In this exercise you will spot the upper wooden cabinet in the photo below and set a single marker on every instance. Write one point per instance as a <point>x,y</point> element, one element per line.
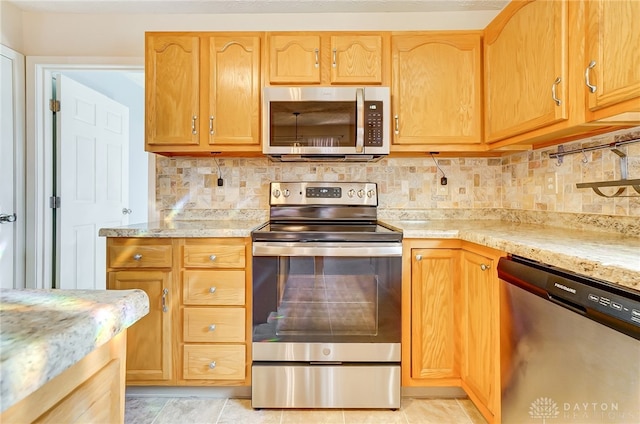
<point>202,92</point>
<point>525,68</point>
<point>172,90</point>
<point>324,59</point>
<point>436,91</point>
<point>613,58</point>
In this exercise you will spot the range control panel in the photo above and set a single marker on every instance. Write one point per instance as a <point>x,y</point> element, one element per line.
<point>324,193</point>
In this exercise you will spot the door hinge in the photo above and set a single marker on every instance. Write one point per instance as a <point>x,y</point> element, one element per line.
<point>54,105</point>
<point>54,202</point>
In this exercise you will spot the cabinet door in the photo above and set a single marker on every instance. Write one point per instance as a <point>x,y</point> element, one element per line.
<point>436,83</point>
<point>434,316</point>
<point>613,43</point>
<point>172,78</point>
<point>356,59</point>
<point>294,59</point>
<point>148,340</point>
<point>525,63</point>
<point>233,90</point>
<point>479,335</point>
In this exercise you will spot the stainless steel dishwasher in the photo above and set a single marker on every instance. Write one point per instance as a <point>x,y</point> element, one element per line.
<point>570,347</point>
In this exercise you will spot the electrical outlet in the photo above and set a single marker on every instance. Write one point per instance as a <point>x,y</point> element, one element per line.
<point>550,185</point>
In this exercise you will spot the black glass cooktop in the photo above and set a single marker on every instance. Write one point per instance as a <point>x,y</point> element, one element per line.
<point>336,232</point>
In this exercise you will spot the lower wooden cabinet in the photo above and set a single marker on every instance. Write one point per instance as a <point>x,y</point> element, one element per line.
<point>90,391</point>
<point>480,303</point>
<point>214,362</point>
<point>451,319</point>
<point>196,332</point>
<point>434,348</point>
<point>149,340</point>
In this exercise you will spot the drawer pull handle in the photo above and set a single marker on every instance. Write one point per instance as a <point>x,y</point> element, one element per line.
<point>553,91</point>
<point>212,364</point>
<point>212,290</point>
<point>137,257</point>
<point>212,257</point>
<point>212,327</point>
<point>165,292</point>
<point>592,88</point>
<point>484,267</point>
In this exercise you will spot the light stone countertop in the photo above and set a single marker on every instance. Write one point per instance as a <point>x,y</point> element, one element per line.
<point>612,257</point>
<point>44,332</point>
<point>608,256</point>
<point>195,228</point>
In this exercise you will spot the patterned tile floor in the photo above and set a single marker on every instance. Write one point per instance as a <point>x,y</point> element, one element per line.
<point>196,410</point>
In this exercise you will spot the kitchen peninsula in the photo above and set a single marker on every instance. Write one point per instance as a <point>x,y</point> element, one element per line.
<point>62,353</point>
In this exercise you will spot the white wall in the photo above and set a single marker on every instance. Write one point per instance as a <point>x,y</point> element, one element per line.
<point>11,26</point>
<point>49,34</point>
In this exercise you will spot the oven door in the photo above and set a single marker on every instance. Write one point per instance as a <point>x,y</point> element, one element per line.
<point>326,302</point>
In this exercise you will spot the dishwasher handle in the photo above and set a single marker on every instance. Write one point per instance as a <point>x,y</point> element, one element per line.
<point>579,309</point>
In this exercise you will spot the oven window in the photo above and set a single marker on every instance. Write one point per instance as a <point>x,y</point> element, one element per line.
<point>326,299</point>
<point>316,124</point>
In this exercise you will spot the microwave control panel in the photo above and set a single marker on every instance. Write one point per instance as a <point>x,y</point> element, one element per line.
<point>373,123</point>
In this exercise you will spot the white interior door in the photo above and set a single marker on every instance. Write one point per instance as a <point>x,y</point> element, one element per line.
<point>12,218</point>
<point>92,179</point>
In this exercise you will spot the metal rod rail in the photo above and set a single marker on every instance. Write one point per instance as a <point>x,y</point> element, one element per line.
<point>560,153</point>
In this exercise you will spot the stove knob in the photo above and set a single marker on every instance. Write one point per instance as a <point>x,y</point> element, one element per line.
<point>351,193</point>
<point>361,193</point>
<point>371,193</point>
<point>286,192</point>
<point>276,193</point>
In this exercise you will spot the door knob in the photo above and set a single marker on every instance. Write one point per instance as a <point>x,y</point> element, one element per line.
<point>5,218</point>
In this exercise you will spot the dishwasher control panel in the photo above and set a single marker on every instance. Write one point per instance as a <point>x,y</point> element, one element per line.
<point>622,308</point>
<point>613,305</point>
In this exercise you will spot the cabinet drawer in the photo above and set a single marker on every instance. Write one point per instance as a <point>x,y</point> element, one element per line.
<point>139,255</point>
<point>215,287</point>
<point>228,254</point>
<point>217,362</point>
<point>214,325</point>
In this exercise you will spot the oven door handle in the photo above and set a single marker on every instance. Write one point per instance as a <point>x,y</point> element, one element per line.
<point>327,249</point>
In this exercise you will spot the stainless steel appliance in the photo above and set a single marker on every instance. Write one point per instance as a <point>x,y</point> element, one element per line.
<point>326,123</point>
<point>570,347</point>
<point>326,300</point>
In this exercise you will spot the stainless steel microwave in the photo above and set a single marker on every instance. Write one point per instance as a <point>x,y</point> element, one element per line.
<point>326,123</point>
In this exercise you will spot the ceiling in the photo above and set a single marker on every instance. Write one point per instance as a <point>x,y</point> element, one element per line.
<point>254,6</point>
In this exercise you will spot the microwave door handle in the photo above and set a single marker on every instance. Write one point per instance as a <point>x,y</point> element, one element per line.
<point>360,120</point>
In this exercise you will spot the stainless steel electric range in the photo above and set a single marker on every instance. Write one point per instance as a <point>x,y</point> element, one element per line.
<point>326,300</point>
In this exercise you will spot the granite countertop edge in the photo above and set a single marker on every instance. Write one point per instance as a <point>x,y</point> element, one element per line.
<point>581,251</point>
<point>45,332</point>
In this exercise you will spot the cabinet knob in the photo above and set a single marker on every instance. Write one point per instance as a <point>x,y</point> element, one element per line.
<point>212,290</point>
<point>418,257</point>
<point>396,119</point>
<point>212,327</point>
<point>335,54</point>
<point>137,257</point>
<point>484,267</point>
<point>212,364</point>
<point>317,52</point>
<point>211,131</point>
<point>212,257</point>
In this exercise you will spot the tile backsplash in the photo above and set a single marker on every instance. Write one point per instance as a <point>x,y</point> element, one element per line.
<point>528,181</point>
